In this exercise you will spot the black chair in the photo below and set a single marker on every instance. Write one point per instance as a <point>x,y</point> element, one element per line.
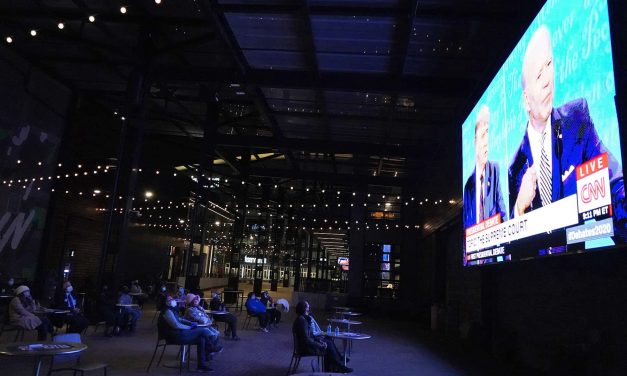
<point>162,342</point>
<point>248,319</point>
<point>73,360</point>
<point>297,355</point>
<point>6,326</point>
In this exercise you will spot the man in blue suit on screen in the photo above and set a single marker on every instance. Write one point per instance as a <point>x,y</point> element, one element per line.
<point>556,140</point>
<point>482,191</point>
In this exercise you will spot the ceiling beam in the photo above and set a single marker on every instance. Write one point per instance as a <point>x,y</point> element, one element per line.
<point>344,179</point>
<point>497,12</point>
<point>427,148</point>
<point>451,87</point>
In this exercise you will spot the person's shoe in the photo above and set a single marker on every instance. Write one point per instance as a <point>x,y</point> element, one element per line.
<point>344,369</point>
<point>235,338</point>
<point>263,330</point>
<point>216,350</point>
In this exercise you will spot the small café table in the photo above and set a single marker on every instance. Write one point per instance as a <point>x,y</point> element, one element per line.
<point>320,374</point>
<point>40,350</point>
<point>343,308</point>
<point>345,321</point>
<point>346,314</point>
<point>347,339</point>
<point>215,312</point>
<point>121,306</point>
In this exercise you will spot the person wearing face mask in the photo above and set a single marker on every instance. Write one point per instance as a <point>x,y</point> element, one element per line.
<point>231,321</point>
<point>257,309</point>
<point>274,315</point>
<point>179,330</point>
<point>66,300</point>
<point>22,313</point>
<point>195,313</point>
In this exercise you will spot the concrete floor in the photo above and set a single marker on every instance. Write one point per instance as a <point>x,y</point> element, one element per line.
<point>396,348</point>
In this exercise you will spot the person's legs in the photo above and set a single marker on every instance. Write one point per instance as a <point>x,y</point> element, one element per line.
<point>231,320</point>
<point>211,339</point>
<point>80,323</point>
<point>42,332</point>
<point>195,337</point>
<point>46,325</point>
<point>134,316</point>
<point>333,359</point>
<point>263,319</point>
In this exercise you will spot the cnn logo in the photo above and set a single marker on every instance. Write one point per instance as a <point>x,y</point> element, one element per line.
<point>592,191</point>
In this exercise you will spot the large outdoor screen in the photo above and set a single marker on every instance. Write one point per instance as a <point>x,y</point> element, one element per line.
<point>542,169</point>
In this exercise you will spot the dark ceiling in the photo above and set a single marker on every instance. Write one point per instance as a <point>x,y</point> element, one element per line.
<point>321,93</point>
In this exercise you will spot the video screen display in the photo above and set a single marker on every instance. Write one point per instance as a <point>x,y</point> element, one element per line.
<point>343,262</point>
<point>542,168</point>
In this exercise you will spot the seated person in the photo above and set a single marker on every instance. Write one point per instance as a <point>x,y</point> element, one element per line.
<point>231,321</point>
<point>274,315</point>
<point>195,313</point>
<point>180,294</point>
<point>180,297</point>
<point>7,287</point>
<point>257,309</point>
<point>64,299</point>
<point>160,298</point>
<point>22,313</point>
<point>129,314</point>
<point>178,330</point>
<point>136,289</point>
<point>313,342</point>
<point>105,306</point>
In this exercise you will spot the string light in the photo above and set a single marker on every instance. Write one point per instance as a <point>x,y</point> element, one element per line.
<point>9,39</point>
<point>60,25</point>
<point>123,11</point>
<point>33,33</point>
<point>92,18</point>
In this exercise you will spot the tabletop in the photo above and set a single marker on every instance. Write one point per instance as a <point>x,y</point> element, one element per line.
<point>127,305</point>
<point>345,321</point>
<point>41,348</point>
<point>343,308</point>
<point>348,335</point>
<point>349,313</point>
<point>208,311</point>
<point>320,374</point>
<point>51,310</point>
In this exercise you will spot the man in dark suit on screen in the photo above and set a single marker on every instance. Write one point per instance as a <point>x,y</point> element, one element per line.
<point>556,141</point>
<point>482,191</point>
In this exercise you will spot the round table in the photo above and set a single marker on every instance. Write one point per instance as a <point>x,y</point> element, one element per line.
<point>348,313</point>
<point>347,337</point>
<point>210,312</point>
<point>343,308</point>
<point>44,349</point>
<point>346,321</point>
<point>320,374</point>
